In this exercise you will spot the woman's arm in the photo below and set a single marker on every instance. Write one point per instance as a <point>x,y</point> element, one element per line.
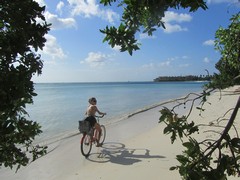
<point>99,112</point>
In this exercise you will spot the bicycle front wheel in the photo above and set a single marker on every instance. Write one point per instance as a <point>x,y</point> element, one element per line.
<point>86,145</point>
<point>103,134</point>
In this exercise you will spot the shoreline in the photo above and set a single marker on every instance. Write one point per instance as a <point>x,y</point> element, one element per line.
<point>135,148</point>
<point>114,120</point>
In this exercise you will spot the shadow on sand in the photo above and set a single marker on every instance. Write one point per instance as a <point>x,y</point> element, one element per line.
<point>117,153</point>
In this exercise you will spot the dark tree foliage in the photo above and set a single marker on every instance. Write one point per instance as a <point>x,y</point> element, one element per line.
<point>183,78</point>
<point>228,44</point>
<point>142,16</point>
<point>22,30</point>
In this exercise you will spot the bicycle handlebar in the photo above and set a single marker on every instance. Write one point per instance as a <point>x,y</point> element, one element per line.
<point>100,116</point>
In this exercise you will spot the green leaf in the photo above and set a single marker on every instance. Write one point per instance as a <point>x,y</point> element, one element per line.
<point>162,118</point>
<point>188,145</point>
<point>172,168</point>
<point>235,142</point>
<point>167,130</point>
<point>182,159</point>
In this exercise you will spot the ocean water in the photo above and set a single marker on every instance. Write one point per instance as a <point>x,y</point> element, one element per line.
<point>59,106</point>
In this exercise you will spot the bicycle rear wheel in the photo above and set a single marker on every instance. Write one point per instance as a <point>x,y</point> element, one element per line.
<point>102,135</point>
<point>86,145</point>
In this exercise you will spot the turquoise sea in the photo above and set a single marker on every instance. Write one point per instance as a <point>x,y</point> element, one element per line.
<point>59,106</point>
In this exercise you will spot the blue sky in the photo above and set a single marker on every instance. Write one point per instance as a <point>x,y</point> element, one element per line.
<point>74,51</point>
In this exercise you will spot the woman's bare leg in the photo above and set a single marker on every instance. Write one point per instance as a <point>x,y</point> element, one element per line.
<point>99,130</point>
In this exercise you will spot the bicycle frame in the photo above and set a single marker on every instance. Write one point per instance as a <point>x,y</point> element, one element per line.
<point>89,138</point>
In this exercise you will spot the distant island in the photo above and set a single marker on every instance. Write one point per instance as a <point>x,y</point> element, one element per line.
<point>183,78</point>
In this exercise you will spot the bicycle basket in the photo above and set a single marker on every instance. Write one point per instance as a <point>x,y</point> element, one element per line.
<point>84,126</point>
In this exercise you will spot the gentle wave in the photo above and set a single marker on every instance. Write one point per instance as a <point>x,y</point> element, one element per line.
<point>54,141</point>
<point>59,106</point>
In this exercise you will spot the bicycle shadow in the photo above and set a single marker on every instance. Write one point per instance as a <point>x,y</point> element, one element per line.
<point>117,153</point>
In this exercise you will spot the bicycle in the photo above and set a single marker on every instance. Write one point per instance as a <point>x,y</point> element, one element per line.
<point>89,136</point>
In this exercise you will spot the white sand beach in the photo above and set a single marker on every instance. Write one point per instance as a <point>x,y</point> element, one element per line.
<point>135,148</point>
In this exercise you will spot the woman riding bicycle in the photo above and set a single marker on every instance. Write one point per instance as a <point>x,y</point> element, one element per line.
<point>91,111</point>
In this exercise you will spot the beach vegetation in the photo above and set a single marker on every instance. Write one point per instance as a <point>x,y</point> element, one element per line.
<point>227,42</point>
<point>219,156</point>
<point>22,30</point>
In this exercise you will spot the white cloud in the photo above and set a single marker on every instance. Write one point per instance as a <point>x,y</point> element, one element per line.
<point>171,16</point>
<point>52,48</point>
<point>206,60</point>
<point>89,8</point>
<point>41,2</point>
<point>95,59</point>
<point>148,66</point>
<point>116,48</point>
<point>174,61</point>
<point>109,16</point>
<point>154,66</point>
<point>145,36</point>
<point>170,28</point>
<point>209,42</point>
<point>86,8</point>
<point>166,63</point>
<point>59,23</point>
<point>60,5</point>
<point>172,21</point>
<point>162,64</point>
